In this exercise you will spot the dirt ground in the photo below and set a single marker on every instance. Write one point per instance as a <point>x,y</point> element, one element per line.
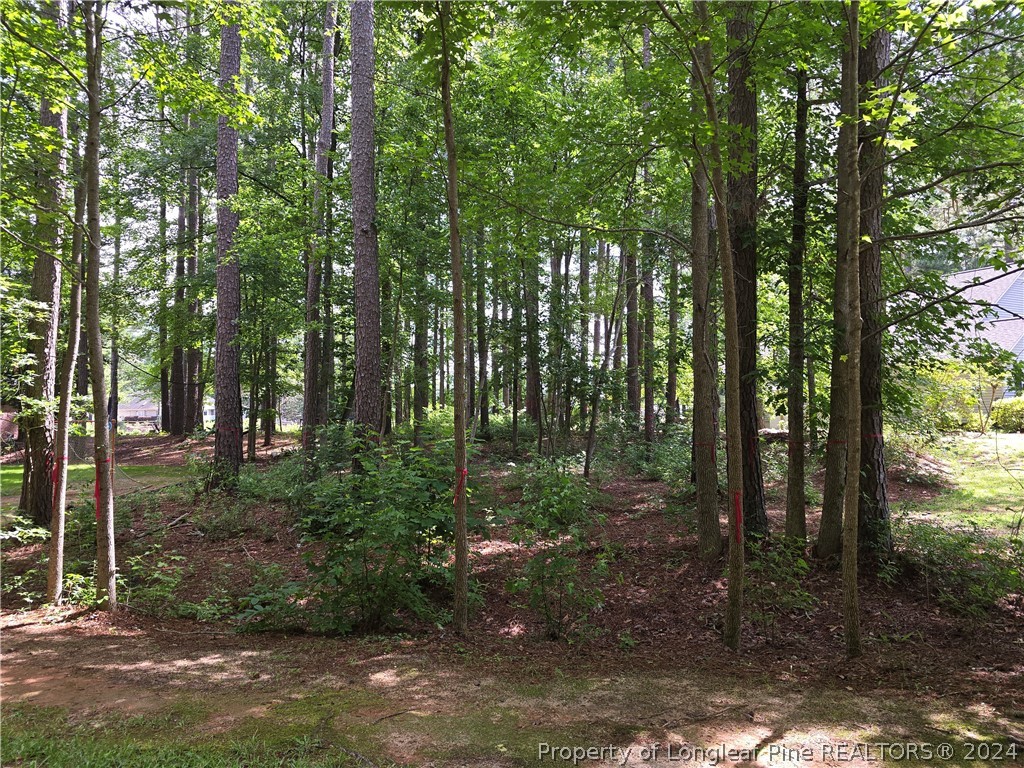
<point>654,673</point>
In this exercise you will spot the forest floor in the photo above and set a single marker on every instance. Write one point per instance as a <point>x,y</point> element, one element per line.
<point>85,688</point>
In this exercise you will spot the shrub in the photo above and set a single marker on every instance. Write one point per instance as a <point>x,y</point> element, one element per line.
<point>1008,414</point>
<point>554,516</point>
<point>555,496</point>
<point>387,530</point>
<point>967,571</point>
<point>774,582</point>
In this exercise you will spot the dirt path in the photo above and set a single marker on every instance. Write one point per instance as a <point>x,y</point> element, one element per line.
<point>408,702</point>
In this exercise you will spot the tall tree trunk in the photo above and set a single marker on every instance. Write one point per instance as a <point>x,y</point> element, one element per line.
<point>227,458</point>
<point>115,310</point>
<point>269,392</point>
<point>830,529</point>
<point>585,382</point>
<point>106,569</point>
<point>55,561</point>
<point>422,388</point>
<point>648,280</point>
<point>481,339</point>
<point>435,377</point>
<point>461,612</point>
<point>632,334</point>
<point>369,408</point>
<point>705,385</point>
<point>875,533</point>
<point>796,500</point>
<point>312,409</point>
<point>194,353</point>
<point>672,377</point>
<point>165,369</point>
<point>470,354</point>
<point>531,290</point>
<point>743,231</point>
<point>178,325</point>
<point>734,600</point>
<point>849,229</point>
<point>600,379</point>
<point>39,425</point>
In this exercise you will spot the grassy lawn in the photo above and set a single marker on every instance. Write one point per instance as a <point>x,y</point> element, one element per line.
<point>127,479</point>
<point>988,484</point>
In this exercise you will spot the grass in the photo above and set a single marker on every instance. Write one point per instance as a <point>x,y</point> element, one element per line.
<point>47,736</point>
<point>988,484</point>
<point>127,478</point>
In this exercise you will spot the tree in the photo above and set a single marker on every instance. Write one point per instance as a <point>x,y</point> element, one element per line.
<point>705,383</point>
<point>796,500</point>
<point>38,423</point>
<point>848,228</point>
<point>368,399</point>
<point>874,534</point>
<point>713,162</point>
<point>55,562</point>
<point>461,613</point>
<point>228,447</point>
<point>106,569</point>
<point>313,412</point>
<point>743,231</point>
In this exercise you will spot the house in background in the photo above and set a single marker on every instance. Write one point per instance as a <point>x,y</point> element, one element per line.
<point>998,301</point>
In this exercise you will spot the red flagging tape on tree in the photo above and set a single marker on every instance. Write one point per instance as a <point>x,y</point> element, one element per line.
<point>460,486</point>
<point>738,506</point>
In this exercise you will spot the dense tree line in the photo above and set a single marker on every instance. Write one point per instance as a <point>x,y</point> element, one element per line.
<point>568,214</point>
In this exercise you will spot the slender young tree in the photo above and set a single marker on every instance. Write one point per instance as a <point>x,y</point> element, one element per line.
<point>704,73</point>
<point>106,569</point>
<point>227,458</point>
<point>796,500</point>
<point>461,613</point>
<point>55,563</point>
<point>369,405</point>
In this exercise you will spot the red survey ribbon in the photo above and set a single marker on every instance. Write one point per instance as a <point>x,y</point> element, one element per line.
<point>460,486</point>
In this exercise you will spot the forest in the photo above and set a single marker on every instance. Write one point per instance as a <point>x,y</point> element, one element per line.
<point>402,383</point>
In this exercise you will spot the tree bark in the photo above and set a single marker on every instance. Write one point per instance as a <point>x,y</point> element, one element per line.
<point>461,611</point>
<point>227,458</point>
<point>849,199</point>
<point>743,231</point>
<point>312,408</point>
<point>55,563</point>
<point>796,499</point>
<point>632,335</point>
<point>106,569</point>
<point>481,340</point>
<point>875,534</point>
<point>177,377</point>
<point>734,599</point>
<point>38,425</point>
<point>705,385</point>
<point>369,408</point>
<point>585,383</point>
<point>194,353</point>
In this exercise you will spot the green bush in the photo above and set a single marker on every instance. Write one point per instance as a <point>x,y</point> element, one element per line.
<point>1008,414</point>
<point>967,571</point>
<point>554,517</point>
<point>774,582</point>
<point>555,495</point>
<point>387,529</point>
